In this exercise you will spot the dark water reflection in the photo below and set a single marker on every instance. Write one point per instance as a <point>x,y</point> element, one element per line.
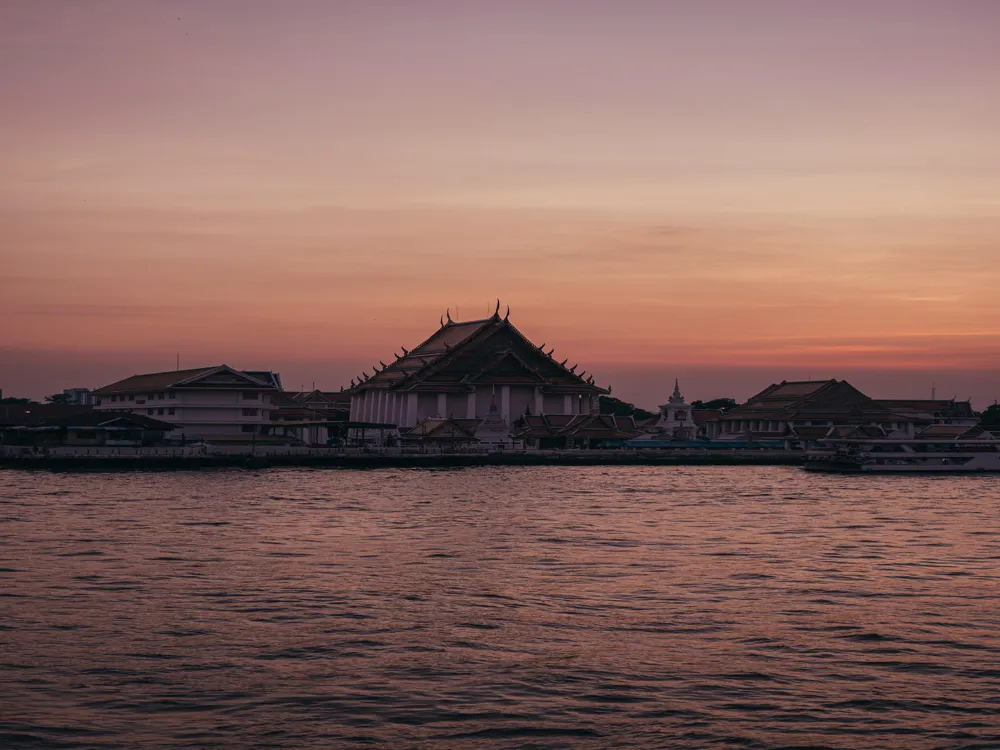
<point>701,607</point>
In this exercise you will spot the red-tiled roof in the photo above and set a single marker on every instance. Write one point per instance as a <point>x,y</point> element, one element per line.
<point>459,354</point>
<point>321,399</point>
<point>705,415</point>
<point>947,408</point>
<point>594,426</point>
<point>827,399</point>
<point>153,380</point>
<point>444,429</point>
<point>950,431</point>
<point>852,431</point>
<point>174,378</point>
<point>99,419</point>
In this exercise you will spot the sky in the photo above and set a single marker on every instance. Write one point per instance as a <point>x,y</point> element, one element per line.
<point>728,192</point>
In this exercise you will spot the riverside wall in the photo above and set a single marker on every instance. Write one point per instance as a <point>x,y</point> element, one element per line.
<point>150,460</point>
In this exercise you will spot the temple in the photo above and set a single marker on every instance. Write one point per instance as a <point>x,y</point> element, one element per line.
<point>678,422</point>
<point>463,369</point>
<point>798,413</point>
<point>676,418</point>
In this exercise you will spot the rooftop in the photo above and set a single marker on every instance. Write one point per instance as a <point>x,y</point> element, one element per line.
<point>459,354</point>
<point>217,376</point>
<point>95,420</point>
<point>826,399</point>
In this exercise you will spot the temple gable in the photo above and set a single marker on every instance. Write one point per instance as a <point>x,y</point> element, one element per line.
<point>453,373</point>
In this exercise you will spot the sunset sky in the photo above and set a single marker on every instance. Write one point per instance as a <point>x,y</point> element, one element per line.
<point>728,192</point>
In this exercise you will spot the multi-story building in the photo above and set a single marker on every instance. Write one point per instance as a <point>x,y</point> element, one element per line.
<point>79,396</point>
<point>212,403</point>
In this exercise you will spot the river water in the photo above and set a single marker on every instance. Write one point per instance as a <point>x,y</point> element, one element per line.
<point>536,607</point>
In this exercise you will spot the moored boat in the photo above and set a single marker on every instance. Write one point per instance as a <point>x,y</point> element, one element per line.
<point>894,455</point>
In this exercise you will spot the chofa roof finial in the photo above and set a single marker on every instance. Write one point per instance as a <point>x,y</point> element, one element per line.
<point>448,314</point>
<point>496,313</point>
<point>505,317</point>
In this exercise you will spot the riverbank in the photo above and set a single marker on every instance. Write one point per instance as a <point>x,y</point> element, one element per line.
<point>401,461</point>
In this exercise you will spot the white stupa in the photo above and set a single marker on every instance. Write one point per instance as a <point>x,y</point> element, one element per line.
<point>675,417</point>
<point>493,431</point>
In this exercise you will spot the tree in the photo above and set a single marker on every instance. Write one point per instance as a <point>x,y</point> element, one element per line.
<point>57,398</point>
<point>991,416</point>
<point>619,408</point>
<point>722,404</point>
<point>13,401</point>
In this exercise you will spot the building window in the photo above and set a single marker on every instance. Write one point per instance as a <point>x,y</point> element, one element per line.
<point>248,428</point>
<point>159,411</point>
<point>160,396</point>
<point>250,395</point>
<point>250,412</point>
<point>114,398</point>
<point>171,411</point>
<point>131,398</point>
<point>150,411</point>
<point>173,395</point>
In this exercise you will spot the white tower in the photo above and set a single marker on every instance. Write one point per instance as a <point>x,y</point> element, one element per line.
<point>675,417</point>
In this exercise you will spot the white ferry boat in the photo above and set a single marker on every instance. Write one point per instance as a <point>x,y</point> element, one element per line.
<point>894,455</point>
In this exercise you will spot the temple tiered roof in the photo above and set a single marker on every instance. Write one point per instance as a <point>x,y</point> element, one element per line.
<point>446,429</point>
<point>589,426</point>
<point>463,354</point>
<point>812,399</point>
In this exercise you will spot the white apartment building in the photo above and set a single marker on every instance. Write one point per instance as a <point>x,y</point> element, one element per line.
<point>210,403</point>
<point>79,396</point>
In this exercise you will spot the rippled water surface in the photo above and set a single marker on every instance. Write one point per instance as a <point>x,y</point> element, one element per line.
<point>535,607</point>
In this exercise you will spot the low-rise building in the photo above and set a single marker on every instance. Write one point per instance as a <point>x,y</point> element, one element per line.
<point>315,418</point>
<point>577,431</point>
<point>921,413</point>
<point>448,434</point>
<point>95,429</point>
<point>215,404</point>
